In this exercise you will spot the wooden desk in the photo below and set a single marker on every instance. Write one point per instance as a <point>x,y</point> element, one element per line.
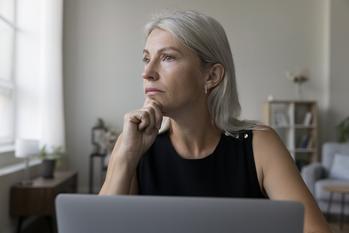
<point>38,199</point>
<point>343,190</point>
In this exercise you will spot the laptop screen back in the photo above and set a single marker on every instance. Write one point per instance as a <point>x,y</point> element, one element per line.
<point>78,213</point>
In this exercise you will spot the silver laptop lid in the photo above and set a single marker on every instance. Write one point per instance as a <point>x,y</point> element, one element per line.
<point>78,213</point>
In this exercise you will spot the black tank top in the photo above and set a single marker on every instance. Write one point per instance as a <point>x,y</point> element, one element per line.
<point>229,171</point>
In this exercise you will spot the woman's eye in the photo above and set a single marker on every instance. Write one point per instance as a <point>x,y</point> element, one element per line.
<point>145,60</point>
<point>168,58</point>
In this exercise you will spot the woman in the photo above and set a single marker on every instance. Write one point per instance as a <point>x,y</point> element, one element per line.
<point>204,150</point>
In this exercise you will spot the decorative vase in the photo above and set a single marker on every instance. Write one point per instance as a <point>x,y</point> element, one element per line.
<point>48,168</point>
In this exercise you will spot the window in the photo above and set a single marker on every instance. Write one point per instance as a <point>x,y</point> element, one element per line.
<point>31,102</point>
<point>7,86</point>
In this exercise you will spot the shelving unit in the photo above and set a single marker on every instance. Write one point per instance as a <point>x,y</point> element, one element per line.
<point>297,124</point>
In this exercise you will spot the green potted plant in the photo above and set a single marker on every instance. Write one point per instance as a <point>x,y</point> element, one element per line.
<point>343,130</point>
<point>49,160</point>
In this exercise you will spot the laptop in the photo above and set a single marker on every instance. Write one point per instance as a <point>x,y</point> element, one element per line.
<point>83,213</point>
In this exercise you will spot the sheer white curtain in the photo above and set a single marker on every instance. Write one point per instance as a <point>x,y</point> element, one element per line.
<point>39,82</point>
<point>52,130</point>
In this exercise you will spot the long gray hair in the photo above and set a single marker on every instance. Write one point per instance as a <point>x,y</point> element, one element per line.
<point>206,37</point>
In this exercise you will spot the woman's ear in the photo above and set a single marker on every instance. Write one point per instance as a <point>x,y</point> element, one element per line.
<point>215,76</point>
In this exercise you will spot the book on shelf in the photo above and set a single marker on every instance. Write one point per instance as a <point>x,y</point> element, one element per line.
<point>304,141</point>
<point>307,119</point>
<point>310,143</point>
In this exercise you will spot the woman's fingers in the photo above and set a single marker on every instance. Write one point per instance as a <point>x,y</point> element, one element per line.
<point>133,118</point>
<point>152,119</point>
<point>157,111</point>
<point>147,119</point>
<point>144,120</point>
<point>158,115</point>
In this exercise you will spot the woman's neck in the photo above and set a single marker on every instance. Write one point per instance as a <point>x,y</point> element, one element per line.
<point>194,137</point>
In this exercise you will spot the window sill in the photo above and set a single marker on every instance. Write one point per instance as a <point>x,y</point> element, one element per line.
<point>17,167</point>
<point>7,148</point>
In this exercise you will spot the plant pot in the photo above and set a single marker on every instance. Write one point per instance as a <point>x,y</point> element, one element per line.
<point>48,168</point>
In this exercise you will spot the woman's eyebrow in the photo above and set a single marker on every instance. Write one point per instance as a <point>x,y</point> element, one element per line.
<point>164,50</point>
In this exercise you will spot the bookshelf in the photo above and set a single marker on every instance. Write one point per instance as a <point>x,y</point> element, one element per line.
<point>296,123</point>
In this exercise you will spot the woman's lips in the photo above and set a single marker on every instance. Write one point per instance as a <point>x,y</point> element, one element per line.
<point>152,91</point>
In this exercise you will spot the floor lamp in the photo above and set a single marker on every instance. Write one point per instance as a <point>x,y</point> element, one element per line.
<point>25,149</point>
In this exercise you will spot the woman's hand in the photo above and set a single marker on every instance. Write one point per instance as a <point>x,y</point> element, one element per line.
<point>139,131</point>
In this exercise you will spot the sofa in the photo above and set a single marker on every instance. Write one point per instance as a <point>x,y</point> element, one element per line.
<point>333,169</point>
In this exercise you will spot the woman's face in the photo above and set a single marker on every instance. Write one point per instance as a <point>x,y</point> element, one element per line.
<point>173,74</point>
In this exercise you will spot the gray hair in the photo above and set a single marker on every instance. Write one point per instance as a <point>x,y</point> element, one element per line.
<point>207,38</point>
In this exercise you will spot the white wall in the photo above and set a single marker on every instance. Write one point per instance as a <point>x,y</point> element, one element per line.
<point>339,63</point>
<point>103,41</point>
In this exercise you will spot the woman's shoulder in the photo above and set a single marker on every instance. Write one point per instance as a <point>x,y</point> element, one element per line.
<point>268,146</point>
<point>264,135</point>
<point>259,132</point>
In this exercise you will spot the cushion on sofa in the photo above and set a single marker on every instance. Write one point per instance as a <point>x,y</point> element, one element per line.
<point>340,167</point>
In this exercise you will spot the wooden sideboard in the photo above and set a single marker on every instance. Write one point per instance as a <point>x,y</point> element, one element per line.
<point>38,199</point>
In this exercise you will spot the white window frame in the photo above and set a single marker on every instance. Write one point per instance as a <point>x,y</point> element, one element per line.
<point>8,85</point>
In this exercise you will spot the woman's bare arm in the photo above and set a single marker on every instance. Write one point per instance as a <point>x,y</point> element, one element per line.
<point>119,175</point>
<point>281,179</point>
<point>139,132</point>
<point>134,186</point>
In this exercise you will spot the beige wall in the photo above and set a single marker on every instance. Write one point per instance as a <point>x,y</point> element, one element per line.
<point>102,57</point>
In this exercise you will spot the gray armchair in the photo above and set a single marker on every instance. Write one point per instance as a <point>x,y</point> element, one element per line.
<point>316,177</point>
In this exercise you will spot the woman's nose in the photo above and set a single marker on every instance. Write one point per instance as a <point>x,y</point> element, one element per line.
<point>150,72</point>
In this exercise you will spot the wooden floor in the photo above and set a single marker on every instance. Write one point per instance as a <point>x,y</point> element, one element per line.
<point>334,224</point>
<point>335,228</point>
<point>41,226</point>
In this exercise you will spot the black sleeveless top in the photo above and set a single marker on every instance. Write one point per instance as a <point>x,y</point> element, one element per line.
<point>229,171</point>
